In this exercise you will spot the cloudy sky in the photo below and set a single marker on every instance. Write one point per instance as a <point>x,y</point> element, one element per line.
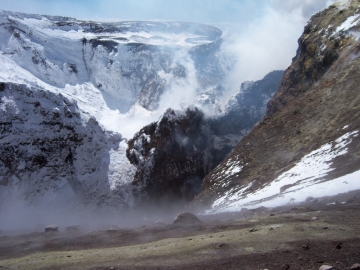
<point>204,11</point>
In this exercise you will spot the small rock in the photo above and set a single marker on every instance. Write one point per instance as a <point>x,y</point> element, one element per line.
<point>315,218</point>
<point>52,228</point>
<point>187,219</point>
<point>325,228</point>
<point>271,229</point>
<point>339,246</point>
<point>356,266</point>
<point>326,267</point>
<point>253,230</point>
<point>306,247</point>
<point>272,215</point>
<point>285,266</point>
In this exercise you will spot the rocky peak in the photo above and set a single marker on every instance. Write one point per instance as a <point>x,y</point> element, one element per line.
<point>324,47</point>
<point>170,156</point>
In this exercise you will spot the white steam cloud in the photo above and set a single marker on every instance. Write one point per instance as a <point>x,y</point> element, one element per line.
<point>266,43</point>
<point>250,50</point>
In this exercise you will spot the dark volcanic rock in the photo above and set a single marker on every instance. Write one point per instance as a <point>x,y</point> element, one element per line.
<point>170,155</point>
<point>186,219</point>
<point>356,266</point>
<point>52,228</point>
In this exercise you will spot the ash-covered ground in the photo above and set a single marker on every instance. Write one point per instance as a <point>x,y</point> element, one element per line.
<point>323,231</point>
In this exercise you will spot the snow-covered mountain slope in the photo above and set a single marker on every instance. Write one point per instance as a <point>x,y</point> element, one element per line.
<point>308,144</point>
<point>129,62</point>
<point>51,151</point>
<point>118,77</point>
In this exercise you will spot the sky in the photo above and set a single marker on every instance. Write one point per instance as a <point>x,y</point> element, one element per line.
<point>203,11</point>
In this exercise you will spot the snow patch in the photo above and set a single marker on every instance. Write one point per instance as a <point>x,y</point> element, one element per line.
<point>350,22</point>
<point>305,179</point>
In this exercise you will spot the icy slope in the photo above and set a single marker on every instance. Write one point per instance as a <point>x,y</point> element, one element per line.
<point>130,62</point>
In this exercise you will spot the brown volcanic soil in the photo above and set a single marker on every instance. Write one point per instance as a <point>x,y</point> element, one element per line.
<point>258,239</point>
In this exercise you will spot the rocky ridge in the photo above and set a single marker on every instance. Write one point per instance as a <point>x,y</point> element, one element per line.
<point>309,139</point>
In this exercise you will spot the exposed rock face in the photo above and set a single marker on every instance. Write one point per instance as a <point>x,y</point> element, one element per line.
<point>242,112</point>
<point>173,155</point>
<point>170,155</point>
<point>248,105</point>
<point>311,132</point>
<point>320,46</point>
<point>48,147</point>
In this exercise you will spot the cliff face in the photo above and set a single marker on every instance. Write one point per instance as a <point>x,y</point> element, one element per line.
<point>308,144</point>
<point>49,148</point>
<point>173,155</point>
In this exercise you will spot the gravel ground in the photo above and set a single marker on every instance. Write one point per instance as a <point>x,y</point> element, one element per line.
<point>302,237</point>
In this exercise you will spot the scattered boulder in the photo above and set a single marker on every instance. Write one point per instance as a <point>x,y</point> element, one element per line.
<point>187,219</point>
<point>326,267</point>
<point>52,228</point>
<point>338,245</point>
<point>356,266</point>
